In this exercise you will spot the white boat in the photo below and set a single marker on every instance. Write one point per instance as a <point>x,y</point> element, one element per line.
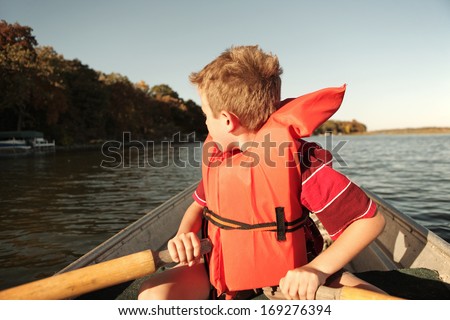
<point>15,143</point>
<point>41,143</point>
<point>14,146</point>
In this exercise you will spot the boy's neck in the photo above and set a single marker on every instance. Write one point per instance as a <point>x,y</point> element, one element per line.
<point>243,139</point>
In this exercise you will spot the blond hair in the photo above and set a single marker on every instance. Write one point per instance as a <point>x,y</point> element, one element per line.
<point>243,80</point>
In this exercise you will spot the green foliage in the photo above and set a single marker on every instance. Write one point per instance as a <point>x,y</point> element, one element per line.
<point>75,104</point>
<point>163,90</point>
<point>341,127</point>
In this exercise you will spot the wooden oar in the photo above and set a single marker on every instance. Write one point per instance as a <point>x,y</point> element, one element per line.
<point>94,277</point>
<point>351,293</point>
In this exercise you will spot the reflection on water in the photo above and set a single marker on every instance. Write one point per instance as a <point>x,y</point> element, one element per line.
<point>55,208</point>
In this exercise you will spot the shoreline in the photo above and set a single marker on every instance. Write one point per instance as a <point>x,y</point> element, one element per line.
<point>404,131</point>
<point>425,130</point>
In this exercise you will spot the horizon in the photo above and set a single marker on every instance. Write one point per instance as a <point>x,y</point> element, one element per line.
<point>393,56</point>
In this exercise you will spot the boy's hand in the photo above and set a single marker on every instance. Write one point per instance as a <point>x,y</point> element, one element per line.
<point>302,283</point>
<point>184,248</point>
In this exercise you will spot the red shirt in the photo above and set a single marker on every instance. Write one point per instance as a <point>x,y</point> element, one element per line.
<point>335,200</point>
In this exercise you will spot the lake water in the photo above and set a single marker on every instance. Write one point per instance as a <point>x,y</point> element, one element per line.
<point>54,208</point>
<point>411,172</point>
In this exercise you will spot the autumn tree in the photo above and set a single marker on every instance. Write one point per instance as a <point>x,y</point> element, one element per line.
<point>124,104</point>
<point>341,127</point>
<point>163,90</point>
<point>17,70</point>
<point>85,117</point>
<point>143,86</point>
<point>50,89</point>
<point>16,35</point>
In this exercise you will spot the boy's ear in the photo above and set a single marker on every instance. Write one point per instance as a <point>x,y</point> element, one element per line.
<point>231,121</point>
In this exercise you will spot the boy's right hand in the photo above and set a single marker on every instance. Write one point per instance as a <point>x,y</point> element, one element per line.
<point>184,248</point>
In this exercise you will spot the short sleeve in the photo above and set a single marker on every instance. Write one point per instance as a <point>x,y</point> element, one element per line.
<point>199,194</point>
<point>335,200</point>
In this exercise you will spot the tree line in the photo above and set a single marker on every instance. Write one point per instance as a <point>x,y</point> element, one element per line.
<point>341,127</point>
<point>74,104</point>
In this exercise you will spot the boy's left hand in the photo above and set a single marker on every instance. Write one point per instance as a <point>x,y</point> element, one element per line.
<point>302,283</point>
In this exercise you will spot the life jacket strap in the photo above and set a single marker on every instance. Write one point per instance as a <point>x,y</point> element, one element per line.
<point>281,223</point>
<point>280,226</point>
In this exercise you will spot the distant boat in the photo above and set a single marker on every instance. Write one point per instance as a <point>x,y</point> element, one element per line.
<point>41,144</point>
<point>14,143</point>
<point>14,146</point>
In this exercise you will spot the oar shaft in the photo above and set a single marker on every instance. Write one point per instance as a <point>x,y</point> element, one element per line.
<point>94,277</point>
<point>351,293</point>
<point>88,279</point>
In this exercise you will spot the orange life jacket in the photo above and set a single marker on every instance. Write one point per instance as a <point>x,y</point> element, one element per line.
<point>253,197</point>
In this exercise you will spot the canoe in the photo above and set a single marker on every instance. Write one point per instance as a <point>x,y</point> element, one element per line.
<point>405,257</point>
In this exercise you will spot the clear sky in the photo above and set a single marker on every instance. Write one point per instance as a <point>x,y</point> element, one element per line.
<point>393,55</point>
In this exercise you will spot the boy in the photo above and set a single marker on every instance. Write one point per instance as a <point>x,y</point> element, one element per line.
<point>259,180</point>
